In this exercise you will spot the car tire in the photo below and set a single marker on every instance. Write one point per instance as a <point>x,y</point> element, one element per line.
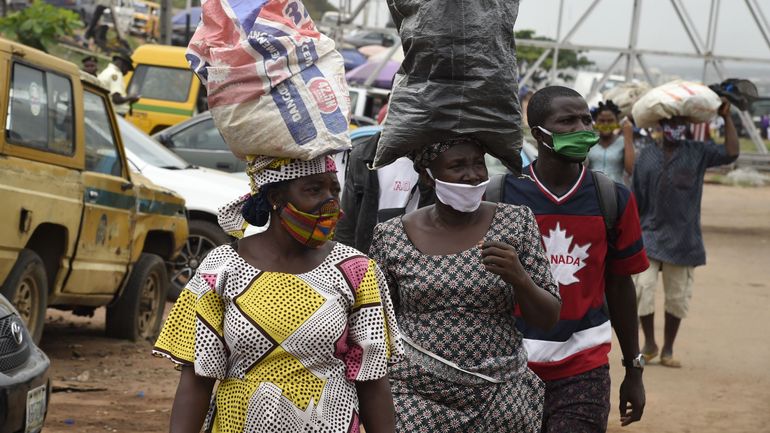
<point>204,236</point>
<point>27,288</point>
<point>138,312</point>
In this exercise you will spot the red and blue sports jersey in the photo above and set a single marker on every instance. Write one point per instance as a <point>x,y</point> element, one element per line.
<point>575,238</point>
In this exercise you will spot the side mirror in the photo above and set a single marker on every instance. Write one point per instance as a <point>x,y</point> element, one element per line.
<point>165,140</point>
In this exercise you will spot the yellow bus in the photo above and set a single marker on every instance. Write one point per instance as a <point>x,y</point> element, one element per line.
<point>170,92</point>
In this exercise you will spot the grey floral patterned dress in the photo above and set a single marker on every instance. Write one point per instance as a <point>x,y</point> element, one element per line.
<point>452,308</point>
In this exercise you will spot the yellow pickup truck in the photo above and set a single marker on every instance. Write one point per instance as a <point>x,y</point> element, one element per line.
<point>78,230</point>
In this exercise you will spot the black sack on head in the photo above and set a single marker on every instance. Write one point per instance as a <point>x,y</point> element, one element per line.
<point>741,93</point>
<point>459,77</point>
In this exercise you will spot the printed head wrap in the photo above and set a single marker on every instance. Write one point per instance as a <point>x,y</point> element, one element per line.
<point>422,158</point>
<point>264,171</point>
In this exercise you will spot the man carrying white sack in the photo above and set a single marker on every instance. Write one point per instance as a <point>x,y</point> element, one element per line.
<point>668,183</point>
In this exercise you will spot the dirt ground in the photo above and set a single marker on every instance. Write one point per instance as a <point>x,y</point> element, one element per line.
<point>724,386</point>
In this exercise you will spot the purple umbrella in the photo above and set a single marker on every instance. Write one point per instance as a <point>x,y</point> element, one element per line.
<point>383,80</point>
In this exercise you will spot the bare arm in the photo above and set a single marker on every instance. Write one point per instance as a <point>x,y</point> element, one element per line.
<point>621,300</point>
<point>628,147</point>
<point>732,145</point>
<point>376,406</point>
<point>191,403</point>
<point>117,99</point>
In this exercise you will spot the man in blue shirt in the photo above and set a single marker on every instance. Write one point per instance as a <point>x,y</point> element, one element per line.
<point>668,184</point>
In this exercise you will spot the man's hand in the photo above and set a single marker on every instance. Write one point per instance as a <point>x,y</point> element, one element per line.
<point>632,397</point>
<point>134,98</point>
<point>724,109</point>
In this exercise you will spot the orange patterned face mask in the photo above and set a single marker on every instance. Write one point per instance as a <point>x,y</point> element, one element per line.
<point>315,228</point>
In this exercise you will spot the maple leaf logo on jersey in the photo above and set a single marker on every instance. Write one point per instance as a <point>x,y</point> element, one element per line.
<point>565,263</point>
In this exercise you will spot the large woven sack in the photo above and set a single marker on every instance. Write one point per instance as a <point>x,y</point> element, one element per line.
<point>276,86</point>
<point>694,101</point>
<point>625,96</point>
<point>458,77</point>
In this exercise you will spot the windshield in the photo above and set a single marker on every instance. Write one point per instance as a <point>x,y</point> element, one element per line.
<point>147,149</point>
<point>161,83</point>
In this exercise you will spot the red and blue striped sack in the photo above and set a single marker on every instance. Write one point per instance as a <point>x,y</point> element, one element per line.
<point>276,85</point>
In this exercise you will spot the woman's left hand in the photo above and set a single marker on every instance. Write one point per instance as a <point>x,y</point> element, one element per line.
<point>501,259</point>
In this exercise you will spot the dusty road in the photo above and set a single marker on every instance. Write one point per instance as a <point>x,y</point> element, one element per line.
<point>724,386</point>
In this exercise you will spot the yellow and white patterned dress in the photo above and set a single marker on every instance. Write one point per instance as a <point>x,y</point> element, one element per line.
<point>286,349</point>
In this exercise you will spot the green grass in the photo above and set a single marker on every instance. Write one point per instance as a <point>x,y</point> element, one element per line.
<point>748,146</point>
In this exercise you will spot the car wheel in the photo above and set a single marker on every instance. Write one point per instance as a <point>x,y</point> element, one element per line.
<point>204,237</point>
<point>138,312</point>
<point>27,289</point>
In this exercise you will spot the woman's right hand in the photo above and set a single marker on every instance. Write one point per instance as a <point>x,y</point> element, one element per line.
<point>501,259</point>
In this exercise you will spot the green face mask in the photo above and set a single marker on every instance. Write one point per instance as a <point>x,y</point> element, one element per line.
<point>572,144</point>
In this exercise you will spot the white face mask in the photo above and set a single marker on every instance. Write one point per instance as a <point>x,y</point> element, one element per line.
<point>460,196</point>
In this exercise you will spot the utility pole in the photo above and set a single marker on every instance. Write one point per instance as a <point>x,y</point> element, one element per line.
<point>165,22</point>
<point>555,65</point>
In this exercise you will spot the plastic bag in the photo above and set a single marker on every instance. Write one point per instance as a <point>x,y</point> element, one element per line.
<point>625,96</point>
<point>458,77</point>
<point>276,86</point>
<point>694,101</point>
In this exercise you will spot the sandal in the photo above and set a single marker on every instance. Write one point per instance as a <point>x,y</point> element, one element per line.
<point>669,361</point>
<point>649,356</point>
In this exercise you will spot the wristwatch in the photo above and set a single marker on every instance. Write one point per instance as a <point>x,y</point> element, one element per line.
<point>637,362</point>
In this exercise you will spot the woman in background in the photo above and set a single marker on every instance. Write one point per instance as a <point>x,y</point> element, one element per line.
<point>614,155</point>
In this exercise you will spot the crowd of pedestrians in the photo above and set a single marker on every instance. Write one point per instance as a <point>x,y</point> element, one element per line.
<point>429,296</point>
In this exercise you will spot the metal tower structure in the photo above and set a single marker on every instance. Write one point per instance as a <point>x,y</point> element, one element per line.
<point>703,49</point>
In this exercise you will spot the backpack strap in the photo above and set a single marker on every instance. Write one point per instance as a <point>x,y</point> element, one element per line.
<point>606,191</point>
<point>495,188</point>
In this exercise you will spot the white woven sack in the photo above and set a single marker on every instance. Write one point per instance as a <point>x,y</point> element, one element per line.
<point>276,86</point>
<point>694,101</point>
<point>625,96</point>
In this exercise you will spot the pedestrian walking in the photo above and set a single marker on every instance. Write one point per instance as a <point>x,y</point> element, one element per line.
<point>371,197</point>
<point>614,154</point>
<point>668,182</point>
<point>592,255</point>
<point>296,330</point>
<point>457,268</point>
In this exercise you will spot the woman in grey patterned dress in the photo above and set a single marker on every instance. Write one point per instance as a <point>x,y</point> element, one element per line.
<point>456,271</point>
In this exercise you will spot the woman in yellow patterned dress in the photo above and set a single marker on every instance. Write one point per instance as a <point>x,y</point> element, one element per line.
<point>298,331</point>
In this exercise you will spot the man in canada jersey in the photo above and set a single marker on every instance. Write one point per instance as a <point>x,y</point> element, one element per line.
<point>588,262</point>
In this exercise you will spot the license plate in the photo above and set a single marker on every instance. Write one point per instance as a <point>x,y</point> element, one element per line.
<point>35,409</point>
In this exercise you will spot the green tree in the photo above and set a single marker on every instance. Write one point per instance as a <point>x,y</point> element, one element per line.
<point>567,58</point>
<point>316,8</point>
<point>40,24</point>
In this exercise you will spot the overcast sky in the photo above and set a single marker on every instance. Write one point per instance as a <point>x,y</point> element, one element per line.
<point>660,29</point>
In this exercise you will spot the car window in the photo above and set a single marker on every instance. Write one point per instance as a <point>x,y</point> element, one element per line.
<point>200,136</point>
<point>101,151</point>
<point>40,113</point>
<point>158,82</point>
<point>147,149</point>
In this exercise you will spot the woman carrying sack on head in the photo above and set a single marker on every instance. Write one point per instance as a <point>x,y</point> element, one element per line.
<point>297,331</point>
<point>457,269</point>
